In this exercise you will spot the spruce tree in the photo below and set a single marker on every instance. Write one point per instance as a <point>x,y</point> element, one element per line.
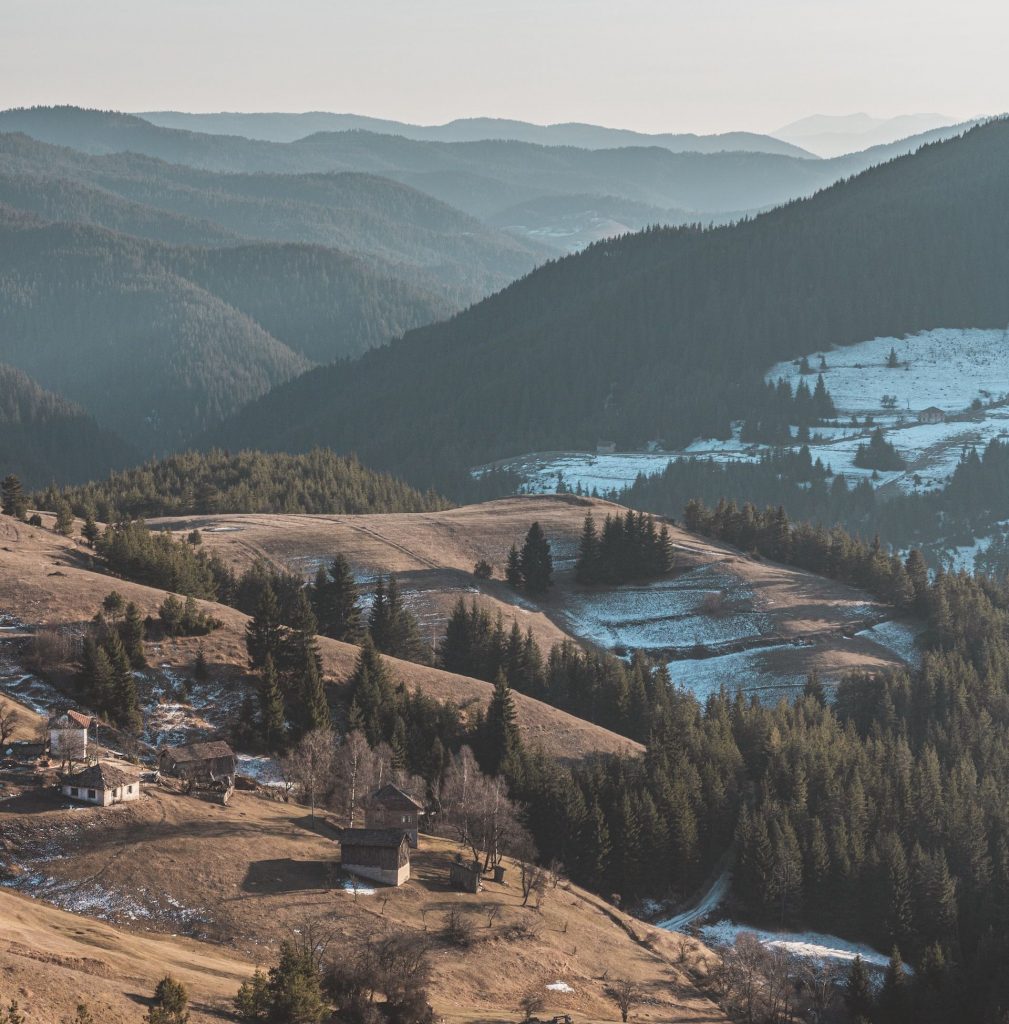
<point>125,705</point>
<point>271,707</point>
<point>201,672</point>
<point>587,565</point>
<point>513,569</point>
<point>132,631</point>
<point>501,728</point>
<point>313,707</point>
<point>64,519</point>
<point>335,602</point>
<point>264,634</point>
<point>12,498</point>
<point>857,992</point>
<point>537,561</point>
<point>90,531</point>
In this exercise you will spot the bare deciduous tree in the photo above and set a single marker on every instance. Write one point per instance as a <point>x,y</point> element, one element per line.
<point>532,1002</point>
<point>309,766</point>
<point>626,994</point>
<point>9,719</point>
<point>478,812</point>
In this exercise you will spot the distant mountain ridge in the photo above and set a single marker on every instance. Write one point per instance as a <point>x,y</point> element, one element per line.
<point>289,127</point>
<point>480,178</point>
<point>409,234</point>
<point>835,135</point>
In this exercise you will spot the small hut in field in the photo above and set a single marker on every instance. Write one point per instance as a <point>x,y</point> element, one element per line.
<point>210,765</point>
<point>379,854</point>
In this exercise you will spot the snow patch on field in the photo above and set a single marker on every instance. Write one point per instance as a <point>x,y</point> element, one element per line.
<point>559,986</point>
<point>742,670</point>
<point>805,945</point>
<point>901,638</point>
<point>265,770</point>
<point>667,614</point>
<point>946,367</point>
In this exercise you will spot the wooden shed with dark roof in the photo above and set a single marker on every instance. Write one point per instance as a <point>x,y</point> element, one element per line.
<point>392,807</point>
<point>379,854</point>
<point>208,762</point>
<point>101,784</point>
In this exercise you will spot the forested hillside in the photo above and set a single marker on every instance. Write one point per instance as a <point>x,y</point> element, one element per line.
<point>43,437</point>
<point>158,342</point>
<point>216,481</point>
<point>417,238</point>
<point>665,334</point>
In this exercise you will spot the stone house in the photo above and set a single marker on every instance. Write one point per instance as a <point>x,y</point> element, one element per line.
<point>101,784</point>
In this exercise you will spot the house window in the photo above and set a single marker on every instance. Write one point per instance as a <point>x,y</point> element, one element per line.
<point>74,791</point>
<point>129,789</point>
<point>91,794</point>
<point>115,794</point>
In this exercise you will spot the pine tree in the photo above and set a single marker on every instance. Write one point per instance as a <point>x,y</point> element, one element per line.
<point>12,498</point>
<point>393,627</point>
<point>90,531</point>
<point>132,631</point>
<point>313,706</point>
<point>271,707</point>
<point>124,705</point>
<point>858,991</point>
<point>893,996</point>
<point>335,601</point>
<point>501,727</point>
<point>201,671</point>
<point>264,633</point>
<point>536,561</point>
<point>513,569</point>
<point>587,565</point>
<point>64,519</point>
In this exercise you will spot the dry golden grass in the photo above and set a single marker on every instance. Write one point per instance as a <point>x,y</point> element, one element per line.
<point>48,580</point>
<point>433,554</point>
<point>256,869</point>
<point>51,960</point>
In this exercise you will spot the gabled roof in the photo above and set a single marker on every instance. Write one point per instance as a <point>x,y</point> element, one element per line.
<point>189,752</point>
<point>395,799</point>
<point>99,776</point>
<point>385,837</point>
<point>70,720</point>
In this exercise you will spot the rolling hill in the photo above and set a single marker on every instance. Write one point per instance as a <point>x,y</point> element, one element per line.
<point>666,334</point>
<point>405,232</point>
<point>44,437</point>
<point>159,342</point>
<point>784,623</point>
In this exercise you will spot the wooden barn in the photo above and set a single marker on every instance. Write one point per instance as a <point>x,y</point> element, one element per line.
<point>391,807</point>
<point>465,875</point>
<point>102,784</point>
<point>209,764</point>
<point>379,854</point>
<point>68,737</point>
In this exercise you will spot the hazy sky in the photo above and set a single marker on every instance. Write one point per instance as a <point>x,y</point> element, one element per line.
<point>654,65</point>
